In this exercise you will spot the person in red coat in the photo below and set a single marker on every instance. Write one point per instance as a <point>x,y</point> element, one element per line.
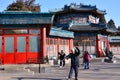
<point>86,60</point>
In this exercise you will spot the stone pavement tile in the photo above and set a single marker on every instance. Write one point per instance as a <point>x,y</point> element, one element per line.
<point>97,71</point>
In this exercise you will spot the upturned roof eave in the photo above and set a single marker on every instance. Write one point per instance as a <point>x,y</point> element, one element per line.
<point>112,30</point>
<point>94,10</point>
<point>87,27</point>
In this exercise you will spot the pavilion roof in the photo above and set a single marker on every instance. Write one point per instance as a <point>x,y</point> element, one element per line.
<point>80,7</point>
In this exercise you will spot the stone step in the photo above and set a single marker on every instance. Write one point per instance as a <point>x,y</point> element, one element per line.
<point>11,68</point>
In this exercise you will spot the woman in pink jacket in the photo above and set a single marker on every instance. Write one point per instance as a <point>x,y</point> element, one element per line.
<point>86,60</point>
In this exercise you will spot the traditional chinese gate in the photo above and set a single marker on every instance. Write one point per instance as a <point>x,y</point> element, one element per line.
<point>23,36</point>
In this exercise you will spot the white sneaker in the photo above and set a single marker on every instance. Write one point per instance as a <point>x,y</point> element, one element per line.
<point>68,79</point>
<point>60,66</point>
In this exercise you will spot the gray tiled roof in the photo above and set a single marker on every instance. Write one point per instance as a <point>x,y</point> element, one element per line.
<point>25,17</point>
<point>61,33</point>
<point>86,27</point>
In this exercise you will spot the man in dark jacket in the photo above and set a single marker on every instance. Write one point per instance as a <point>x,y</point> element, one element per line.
<point>62,59</point>
<point>74,55</point>
<point>110,56</point>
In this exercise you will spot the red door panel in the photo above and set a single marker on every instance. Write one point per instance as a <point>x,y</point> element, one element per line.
<point>20,58</point>
<point>9,58</point>
<point>20,49</point>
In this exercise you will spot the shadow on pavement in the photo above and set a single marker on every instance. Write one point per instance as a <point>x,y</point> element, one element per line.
<point>31,78</point>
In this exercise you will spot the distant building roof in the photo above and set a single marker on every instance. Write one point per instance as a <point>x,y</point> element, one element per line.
<point>111,29</point>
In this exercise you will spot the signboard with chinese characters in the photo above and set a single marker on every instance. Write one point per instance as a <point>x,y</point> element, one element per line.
<point>76,19</point>
<point>93,19</point>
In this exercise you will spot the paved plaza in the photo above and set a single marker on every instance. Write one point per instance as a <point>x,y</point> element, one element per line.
<point>97,71</point>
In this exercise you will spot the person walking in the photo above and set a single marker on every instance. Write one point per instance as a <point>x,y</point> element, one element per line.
<point>74,56</point>
<point>86,60</point>
<point>110,56</point>
<point>62,58</point>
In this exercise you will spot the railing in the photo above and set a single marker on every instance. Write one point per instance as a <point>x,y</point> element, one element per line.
<point>38,61</point>
<point>35,60</point>
<point>1,61</point>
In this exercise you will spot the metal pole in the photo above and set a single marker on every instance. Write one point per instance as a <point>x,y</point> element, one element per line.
<point>39,67</point>
<point>39,64</point>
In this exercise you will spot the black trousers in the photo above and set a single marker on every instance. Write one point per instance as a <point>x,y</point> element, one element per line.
<point>62,62</point>
<point>75,69</point>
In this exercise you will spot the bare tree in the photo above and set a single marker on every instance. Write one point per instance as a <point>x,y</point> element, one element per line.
<point>24,5</point>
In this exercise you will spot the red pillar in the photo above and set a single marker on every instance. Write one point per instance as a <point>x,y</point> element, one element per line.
<point>98,46</point>
<point>43,43</point>
<point>71,44</point>
<point>58,44</point>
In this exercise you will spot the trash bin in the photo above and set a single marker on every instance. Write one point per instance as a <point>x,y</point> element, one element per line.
<point>55,61</point>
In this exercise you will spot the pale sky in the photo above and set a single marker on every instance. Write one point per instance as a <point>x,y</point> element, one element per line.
<point>112,7</point>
